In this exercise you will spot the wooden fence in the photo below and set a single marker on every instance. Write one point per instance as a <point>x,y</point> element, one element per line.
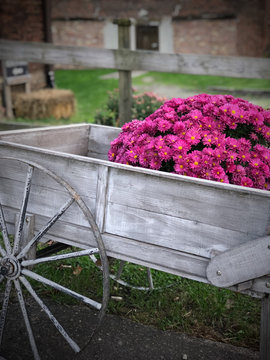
<point>125,61</point>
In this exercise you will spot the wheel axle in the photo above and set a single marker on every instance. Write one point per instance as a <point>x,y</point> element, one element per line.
<point>4,270</point>
<point>10,267</point>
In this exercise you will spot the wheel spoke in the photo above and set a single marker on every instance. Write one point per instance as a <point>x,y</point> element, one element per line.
<point>26,320</point>
<point>4,308</point>
<point>150,279</point>
<point>117,278</point>
<point>60,257</point>
<point>26,193</point>
<point>120,270</point>
<point>58,326</point>
<point>3,227</point>
<point>59,287</point>
<point>46,227</point>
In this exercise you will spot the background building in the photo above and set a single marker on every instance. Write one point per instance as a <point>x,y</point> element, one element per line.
<point>215,27</point>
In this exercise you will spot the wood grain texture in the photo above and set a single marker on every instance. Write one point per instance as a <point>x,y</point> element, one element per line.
<point>242,263</point>
<point>70,139</point>
<point>101,197</point>
<point>176,233</point>
<point>100,138</point>
<point>124,59</point>
<point>61,231</point>
<point>165,221</point>
<point>200,202</point>
<point>66,166</point>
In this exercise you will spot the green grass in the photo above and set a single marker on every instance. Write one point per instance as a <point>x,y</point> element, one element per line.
<point>90,91</point>
<point>203,82</point>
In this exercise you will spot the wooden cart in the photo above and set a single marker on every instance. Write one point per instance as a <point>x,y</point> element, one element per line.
<point>55,183</point>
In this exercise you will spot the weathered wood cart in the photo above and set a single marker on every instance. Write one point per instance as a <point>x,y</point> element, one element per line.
<point>55,183</point>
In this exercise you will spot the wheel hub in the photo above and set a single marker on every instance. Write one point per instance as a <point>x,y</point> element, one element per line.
<point>10,267</point>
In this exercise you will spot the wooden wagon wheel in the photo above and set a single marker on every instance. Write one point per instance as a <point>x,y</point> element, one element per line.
<point>16,269</point>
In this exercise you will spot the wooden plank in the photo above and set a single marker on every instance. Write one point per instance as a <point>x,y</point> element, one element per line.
<point>46,53</point>
<point>265,329</point>
<point>228,207</point>
<point>83,179</point>
<point>16,80</point>
<point>71,139</point>
<point>234,66</point>
<point>100,138</point>
<point>61,231</point>
<point>156,257</point>
<point>43,201</point>
<point>242,263</point>
<point>171,232</point>
<point>102,184</point>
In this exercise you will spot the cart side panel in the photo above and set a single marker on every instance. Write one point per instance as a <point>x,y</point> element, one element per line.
<point>184,215</point>
<point>100,138</point>
<point>71,139</point>
<point>46,195</point>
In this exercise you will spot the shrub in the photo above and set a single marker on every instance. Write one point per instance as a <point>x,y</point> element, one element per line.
<point>142,106</point>
<point>214,137</point>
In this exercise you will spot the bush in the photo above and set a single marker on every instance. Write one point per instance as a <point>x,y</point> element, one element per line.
<point>142,106</point>
<point>214,137</point>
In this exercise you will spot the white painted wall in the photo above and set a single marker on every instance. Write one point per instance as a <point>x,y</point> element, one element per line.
<point>165,35</point>
<point>110,35</point>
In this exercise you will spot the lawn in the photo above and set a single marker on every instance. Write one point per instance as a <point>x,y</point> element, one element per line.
<point>204,82</point>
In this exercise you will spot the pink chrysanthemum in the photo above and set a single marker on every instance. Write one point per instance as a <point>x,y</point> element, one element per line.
<point>215,137</point>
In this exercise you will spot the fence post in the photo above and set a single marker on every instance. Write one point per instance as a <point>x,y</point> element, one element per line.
<point>125,85</point>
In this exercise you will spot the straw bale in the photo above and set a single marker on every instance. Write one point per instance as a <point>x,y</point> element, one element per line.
<point>45,103</point>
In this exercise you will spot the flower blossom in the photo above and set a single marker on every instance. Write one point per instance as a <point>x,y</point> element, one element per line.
<point>214,137</point>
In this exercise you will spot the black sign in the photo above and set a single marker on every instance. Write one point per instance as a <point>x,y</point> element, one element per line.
<point>16,68</point>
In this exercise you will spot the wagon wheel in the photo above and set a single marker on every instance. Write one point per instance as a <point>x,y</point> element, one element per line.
<point>16,269</point>
<point>135,276</point>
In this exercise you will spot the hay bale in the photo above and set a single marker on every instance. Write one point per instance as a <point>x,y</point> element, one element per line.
<point>45,103</point>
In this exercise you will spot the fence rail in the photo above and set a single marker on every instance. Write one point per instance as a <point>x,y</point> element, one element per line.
<point>123,59</point>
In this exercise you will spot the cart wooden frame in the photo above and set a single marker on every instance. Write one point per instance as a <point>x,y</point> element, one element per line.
<point>203,230</point>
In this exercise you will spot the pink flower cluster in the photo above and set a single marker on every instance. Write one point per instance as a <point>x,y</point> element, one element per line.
<point>215,137</point>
